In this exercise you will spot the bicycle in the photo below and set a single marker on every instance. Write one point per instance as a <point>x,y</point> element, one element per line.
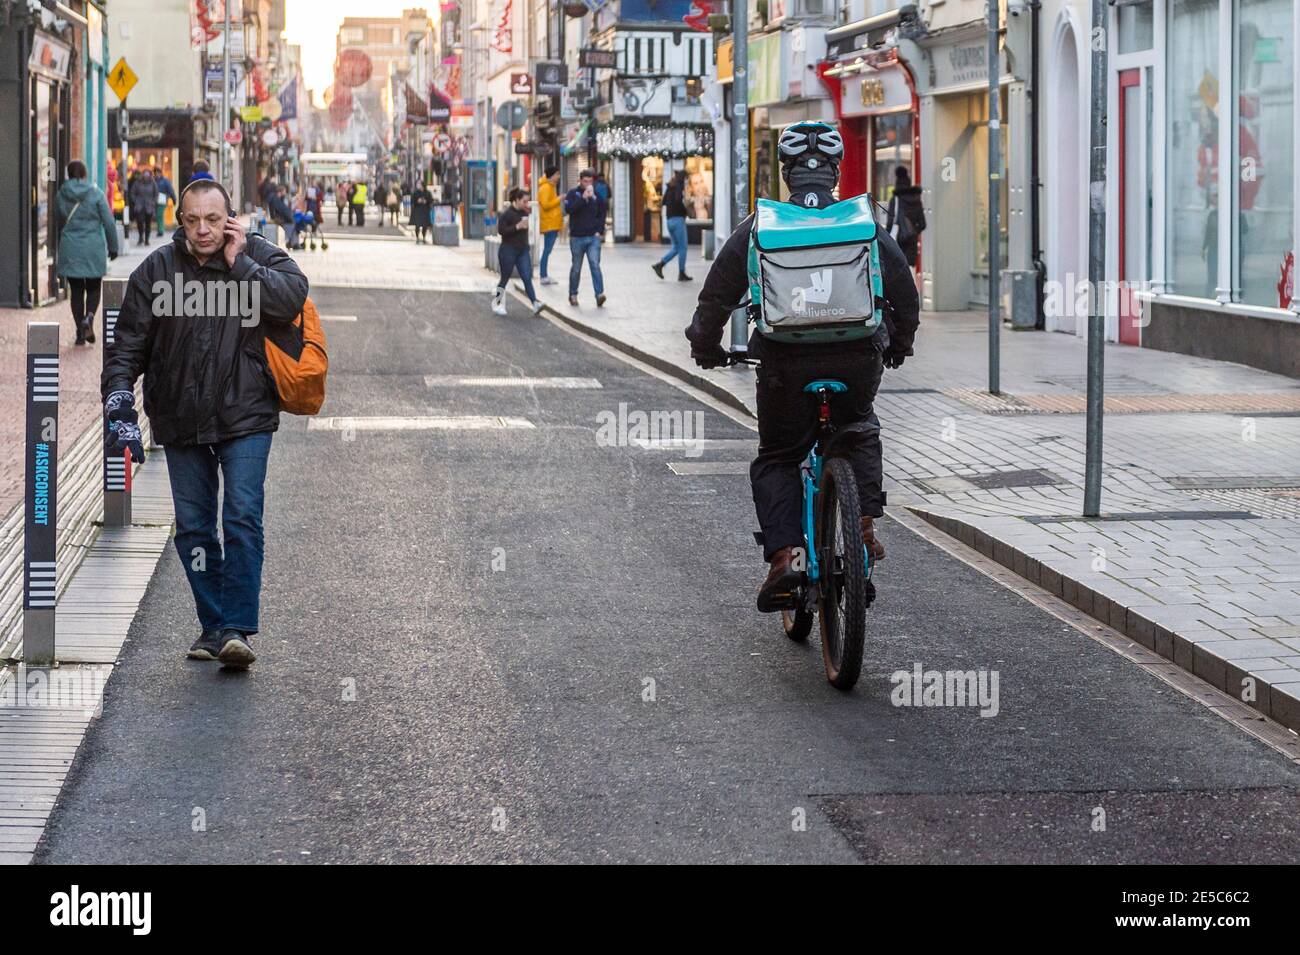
<point>835,563</point>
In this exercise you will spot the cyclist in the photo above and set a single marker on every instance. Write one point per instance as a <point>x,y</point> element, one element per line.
<point>810,154</point>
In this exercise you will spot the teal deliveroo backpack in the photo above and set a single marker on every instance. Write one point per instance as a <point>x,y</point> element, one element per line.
<point>814,273</point>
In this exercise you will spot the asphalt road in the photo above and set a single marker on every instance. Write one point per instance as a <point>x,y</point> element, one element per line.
<point>502,714</point>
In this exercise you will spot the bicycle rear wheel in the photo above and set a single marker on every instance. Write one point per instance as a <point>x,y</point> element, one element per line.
<point>797,623</point>
<point>842,600</point>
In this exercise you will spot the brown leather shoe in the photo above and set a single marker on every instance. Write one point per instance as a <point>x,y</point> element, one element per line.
<point>874,547</point>
<point>782,582</point>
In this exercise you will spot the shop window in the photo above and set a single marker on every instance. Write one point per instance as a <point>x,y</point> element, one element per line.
<point>1265,150</point>
<point>1192,80</point>
<point>1136,27</point>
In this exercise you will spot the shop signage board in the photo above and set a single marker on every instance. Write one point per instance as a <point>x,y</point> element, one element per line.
<point>872,92</point>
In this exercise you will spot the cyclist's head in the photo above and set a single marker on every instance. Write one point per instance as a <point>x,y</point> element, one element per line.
<point>810,154</point>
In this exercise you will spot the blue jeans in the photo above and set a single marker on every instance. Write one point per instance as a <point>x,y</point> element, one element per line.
<point>226,580</point>
<point>510,258</point>
<point>589,246</point>
<point>677,232</point>
<point>548,243</point>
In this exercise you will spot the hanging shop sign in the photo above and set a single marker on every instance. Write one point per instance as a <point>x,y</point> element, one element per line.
<point>521,84</point>
<point>440,105</point>
<point>551,78</point>
<point>52,58</point>
<point>766,69</point>
<point>589,58</point>
<point>250,114</point>
<point>869,92</point>
<point>502,35</point>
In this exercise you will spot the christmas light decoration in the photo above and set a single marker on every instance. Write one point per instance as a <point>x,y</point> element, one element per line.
<point>632,138</point>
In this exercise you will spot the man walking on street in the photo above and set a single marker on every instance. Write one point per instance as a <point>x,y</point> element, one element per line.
<point>586,211</point>
<point>210,397</point>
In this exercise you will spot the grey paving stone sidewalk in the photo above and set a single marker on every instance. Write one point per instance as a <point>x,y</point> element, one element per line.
<point>1198,554</point>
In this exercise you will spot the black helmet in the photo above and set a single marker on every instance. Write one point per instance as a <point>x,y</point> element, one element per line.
<point>815,141</point>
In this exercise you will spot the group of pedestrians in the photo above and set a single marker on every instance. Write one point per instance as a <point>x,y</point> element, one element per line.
<point>148,191</point>
<point>586,205</point>
<point>351,196</point>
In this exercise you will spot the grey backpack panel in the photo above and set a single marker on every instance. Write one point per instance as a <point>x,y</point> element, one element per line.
<point>817,287</point>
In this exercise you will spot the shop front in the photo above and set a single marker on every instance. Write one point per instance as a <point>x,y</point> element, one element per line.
<point>954,175</point>
<point>155,139</point>
<point>877,108</point>
<point>1201,202</point>
<point>650,130</point>
<point>36,103</point>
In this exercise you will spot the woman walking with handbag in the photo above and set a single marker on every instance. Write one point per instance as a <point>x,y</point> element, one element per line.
<point>87,240</point>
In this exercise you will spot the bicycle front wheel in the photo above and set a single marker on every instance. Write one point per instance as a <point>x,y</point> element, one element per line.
<point>842,600</point>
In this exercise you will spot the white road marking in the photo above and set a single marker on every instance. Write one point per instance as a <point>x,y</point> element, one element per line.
<point>503,381</point>
<point>338,318</point>
<point>693,468</point>
<point>427,423</point>
<point>702,444</point>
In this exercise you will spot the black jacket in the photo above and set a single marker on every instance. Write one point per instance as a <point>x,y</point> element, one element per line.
<point>513,227</point>
<point>205,378</point>
<point>727,286</point>
<point>674,201</point>
<point>906,211</point>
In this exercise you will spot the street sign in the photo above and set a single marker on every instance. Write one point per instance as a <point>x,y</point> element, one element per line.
<point>442,143</point>
<point>234,136</point>
<point>551,78</point>
<point>512,115</point>
<point>521,84</point>
<point>122,79</point>
<point>250,114</point>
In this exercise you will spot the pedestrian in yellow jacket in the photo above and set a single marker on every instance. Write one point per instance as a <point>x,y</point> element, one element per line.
<point>552,217</point>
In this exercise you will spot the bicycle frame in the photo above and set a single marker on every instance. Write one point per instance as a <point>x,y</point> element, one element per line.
<point>811,472</point>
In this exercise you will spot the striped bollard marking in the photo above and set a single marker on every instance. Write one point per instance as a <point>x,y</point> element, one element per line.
<point>40,526</point>
<point>117,473</point>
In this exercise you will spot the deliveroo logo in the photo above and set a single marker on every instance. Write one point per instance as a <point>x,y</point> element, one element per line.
<point>818,291</point>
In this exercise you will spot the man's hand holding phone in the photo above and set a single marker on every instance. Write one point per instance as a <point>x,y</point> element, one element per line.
<point>235,238</point>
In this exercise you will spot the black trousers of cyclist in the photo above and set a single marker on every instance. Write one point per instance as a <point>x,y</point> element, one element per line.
<point>787,429</point>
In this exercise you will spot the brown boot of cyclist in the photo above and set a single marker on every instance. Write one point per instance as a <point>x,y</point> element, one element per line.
<point>874,547</point>
<point>782,582</point>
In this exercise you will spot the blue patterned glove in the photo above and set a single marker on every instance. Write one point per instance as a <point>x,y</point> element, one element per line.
<point>123,426</point>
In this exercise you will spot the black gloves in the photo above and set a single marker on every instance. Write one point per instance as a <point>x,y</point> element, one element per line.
<point>714,357</point>
<point>893,357</point>
<point>123,426</point>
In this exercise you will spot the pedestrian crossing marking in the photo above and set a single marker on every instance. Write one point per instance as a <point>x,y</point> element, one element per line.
<point>504,381</point>
<point>424,423</point>
<point>701,444</point>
